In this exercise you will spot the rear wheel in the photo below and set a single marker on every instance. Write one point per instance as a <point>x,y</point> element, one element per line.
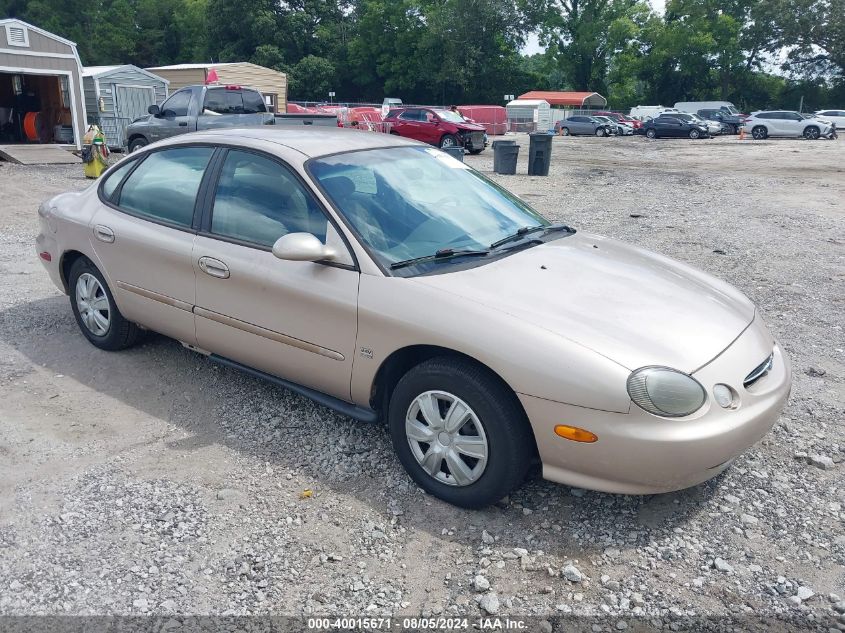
<point>651,133</point>
<point>460,435</point>
<point>448,141</point>
<point>759,133</point>
<point>95,310</point>
<point>812,133</point>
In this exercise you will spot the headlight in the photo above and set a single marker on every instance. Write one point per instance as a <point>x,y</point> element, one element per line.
<point>665,392</point>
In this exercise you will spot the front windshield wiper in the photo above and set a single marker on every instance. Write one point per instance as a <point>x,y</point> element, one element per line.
<point>525,230</point>
<point>443,254</point>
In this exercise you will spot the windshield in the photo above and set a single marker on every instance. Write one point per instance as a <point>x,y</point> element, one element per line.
<point>448,115</point>
<point>410,202</point>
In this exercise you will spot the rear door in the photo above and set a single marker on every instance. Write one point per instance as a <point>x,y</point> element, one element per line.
<point>143,234</point>
<point>408,124</point>
<point>175,117</point>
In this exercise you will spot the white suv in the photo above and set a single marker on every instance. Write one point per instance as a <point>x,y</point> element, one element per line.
<point>787,123</point>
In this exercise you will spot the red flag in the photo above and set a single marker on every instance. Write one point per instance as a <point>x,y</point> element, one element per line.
<point>211,77</point>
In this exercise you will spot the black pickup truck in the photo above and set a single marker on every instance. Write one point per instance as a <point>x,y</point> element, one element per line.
<point>194,108</point>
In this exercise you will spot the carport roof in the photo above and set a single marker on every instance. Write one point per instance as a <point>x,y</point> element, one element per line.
<point>580,99</point>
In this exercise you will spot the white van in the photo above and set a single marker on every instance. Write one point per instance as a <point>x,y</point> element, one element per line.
<point>644,112</point>
<point>694,106</point>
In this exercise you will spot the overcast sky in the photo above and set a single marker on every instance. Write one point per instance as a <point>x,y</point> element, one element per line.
<point>533,46</point>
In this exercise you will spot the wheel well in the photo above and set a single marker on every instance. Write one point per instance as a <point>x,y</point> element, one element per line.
<point>67,261</point>
<point>403,360</point>
<point>134,137</point>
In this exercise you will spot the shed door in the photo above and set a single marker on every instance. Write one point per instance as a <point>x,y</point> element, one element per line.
<point>131,102</point>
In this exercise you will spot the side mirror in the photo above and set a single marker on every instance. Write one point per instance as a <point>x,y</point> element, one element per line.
<point>302,247</point>
<point>154,110</point>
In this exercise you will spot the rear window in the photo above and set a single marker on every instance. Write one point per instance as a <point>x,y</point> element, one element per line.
<point>224,101</point>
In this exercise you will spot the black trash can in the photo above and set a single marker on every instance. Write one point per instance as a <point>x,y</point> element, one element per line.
<point>495,159</point>
<point>455,152</point>
<point>539,153</point>
<point>505,154</point>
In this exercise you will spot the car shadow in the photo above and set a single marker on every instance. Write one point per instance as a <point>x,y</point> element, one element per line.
<point>164,380</point>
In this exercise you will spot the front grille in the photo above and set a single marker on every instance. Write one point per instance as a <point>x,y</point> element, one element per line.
<point>759,371</point>
<point>477,140</point>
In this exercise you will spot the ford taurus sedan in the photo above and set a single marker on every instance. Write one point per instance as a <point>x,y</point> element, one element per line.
<point>390,282</point>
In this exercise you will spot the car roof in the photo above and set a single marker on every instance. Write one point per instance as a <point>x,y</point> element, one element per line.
<point>312,141</point>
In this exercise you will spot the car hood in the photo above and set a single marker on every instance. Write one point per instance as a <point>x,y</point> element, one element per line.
<point>630,305</point>
<point>469,127</point>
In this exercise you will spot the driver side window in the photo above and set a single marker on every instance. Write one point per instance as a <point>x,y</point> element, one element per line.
<point>177,104</point>
<point>258,200</point>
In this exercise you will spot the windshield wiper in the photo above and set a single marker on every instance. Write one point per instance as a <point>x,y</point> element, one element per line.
<point>443,254</point>
<point>525,230</point>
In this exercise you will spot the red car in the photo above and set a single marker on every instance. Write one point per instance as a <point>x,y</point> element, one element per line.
<point>622,118</point>
<point>439,127</point>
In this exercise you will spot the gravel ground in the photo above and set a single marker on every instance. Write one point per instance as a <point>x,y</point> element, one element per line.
<point>151,481</point>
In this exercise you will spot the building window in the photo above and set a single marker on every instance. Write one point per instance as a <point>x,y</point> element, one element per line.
<point>65,83</point>
<point>17,35</point>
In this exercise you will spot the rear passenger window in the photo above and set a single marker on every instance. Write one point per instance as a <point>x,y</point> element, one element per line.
<point>164,187</point>
<point>223,101</point>
<point>114,178</point>
<point>258,200</point>
<point>253,102</point>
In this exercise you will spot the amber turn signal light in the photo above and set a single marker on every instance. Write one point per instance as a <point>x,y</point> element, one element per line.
<point>575,434</point>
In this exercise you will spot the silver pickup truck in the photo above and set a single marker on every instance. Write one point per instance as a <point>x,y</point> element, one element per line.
<point>195,108</point>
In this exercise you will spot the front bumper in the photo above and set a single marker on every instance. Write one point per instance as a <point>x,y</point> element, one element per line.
<point>639,453</point>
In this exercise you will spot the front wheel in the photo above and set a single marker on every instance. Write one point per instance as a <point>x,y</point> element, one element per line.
<point>95,310</point>
<point>651,133</point>
<point>694,134</point>
<point>137,143</point>
<point>601,132</point>
<point>475,152</point>
<point>459,432</point>
<point>565,131</point>
<point>812,133</point>
<point>448,141</point>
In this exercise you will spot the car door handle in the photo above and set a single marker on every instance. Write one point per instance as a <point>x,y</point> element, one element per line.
<point>183,124</point>
<point>104,233</point>
<point>214,267</point>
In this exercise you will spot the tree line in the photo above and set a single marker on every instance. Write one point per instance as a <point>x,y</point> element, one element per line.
<point>756,53</point>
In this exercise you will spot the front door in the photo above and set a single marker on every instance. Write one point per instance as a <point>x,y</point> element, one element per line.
<point>144,238</point>
<point>175,117</point>
<point>297,320</point>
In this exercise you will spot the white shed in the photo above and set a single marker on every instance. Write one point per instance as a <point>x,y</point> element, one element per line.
<point>117,95</point>
<point>528,115</point>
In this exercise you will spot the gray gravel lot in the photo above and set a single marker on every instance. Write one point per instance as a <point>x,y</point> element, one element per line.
<point>150,481</point>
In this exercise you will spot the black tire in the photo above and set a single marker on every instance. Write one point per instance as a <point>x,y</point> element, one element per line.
<point>511,446</point>
<point>137,143</point>
<point>759,133</point>
<point>694,134</point>
<point>564,131</point>
<point>812,133</point>
<point>121,333</point>
<point>475,152</point>
<point>601,132</point>
<point>734,129</point>
<point>449,140</point>
<point>651,133</point>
